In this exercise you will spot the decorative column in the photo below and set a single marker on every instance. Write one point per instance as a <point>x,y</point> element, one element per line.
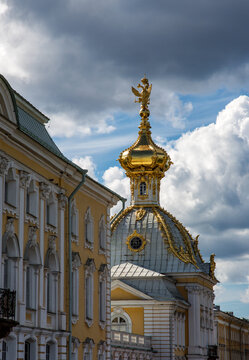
<point>62,243</point>
<point>4,164</point>
<point>24,182</point>
<point>44,193</point>
<point>194,348</point>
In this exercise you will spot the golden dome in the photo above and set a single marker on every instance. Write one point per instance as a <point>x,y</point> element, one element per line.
<point>144,155</point>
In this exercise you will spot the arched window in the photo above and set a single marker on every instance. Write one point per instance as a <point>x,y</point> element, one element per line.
<point>53,268</point>
<point>10,188</point>
<point>11,253</point>
<point>102,234</point>
<point>88,229</point>
<point>89,285</point>
<point>32,199</point>
<point>121,321</point>
<point>143,188</point>
<point>32,258</point>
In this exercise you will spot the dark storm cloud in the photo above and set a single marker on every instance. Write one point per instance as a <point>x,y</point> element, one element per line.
<point>193,39</point>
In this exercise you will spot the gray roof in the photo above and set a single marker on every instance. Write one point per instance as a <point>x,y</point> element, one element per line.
<point>156,255</point>
<point>150,283</point>
<point>37,131</point>
<point>131,270</point>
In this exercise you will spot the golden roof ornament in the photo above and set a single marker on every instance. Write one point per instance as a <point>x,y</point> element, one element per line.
<point>144,156</point>
<point>143,97</point>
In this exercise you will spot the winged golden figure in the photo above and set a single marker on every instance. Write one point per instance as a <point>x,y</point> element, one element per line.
<point>144,95</point>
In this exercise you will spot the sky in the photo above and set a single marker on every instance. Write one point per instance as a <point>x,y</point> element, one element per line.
<point>76,60</point>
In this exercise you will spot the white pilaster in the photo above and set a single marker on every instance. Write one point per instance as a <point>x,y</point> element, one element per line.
<point>24,178</point>
<point>4,163</point>
<point>195,346</point>
<point>62,243</point>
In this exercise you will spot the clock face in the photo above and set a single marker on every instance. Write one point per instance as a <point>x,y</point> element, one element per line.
<point>136,243</point>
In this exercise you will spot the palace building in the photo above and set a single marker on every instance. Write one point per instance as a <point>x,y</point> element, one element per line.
<point>54,244</point>
<point>162,290</point>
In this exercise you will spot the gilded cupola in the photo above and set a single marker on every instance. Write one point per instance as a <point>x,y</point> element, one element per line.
<point>145,162</point>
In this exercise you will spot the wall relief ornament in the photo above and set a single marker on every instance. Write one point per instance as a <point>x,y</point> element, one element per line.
<point>9,228</point>
<point>45,190</point>
<point>24,178</point>
<point>32,235</point>
<point>4,164</point>
<point>140,213</point>
<point>62,198</point>
<point>52,244</point>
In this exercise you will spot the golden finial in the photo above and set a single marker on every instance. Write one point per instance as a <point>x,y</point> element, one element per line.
<point>143,96</point>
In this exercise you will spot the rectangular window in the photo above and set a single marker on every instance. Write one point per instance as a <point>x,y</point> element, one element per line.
<point>89,297</point>
<point>51,293</point>
<point>30,288</point>
<point>102,300</point>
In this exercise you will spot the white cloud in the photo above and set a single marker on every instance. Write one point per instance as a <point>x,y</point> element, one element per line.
<point>86,162</point>
<point>245,296</point>
<point>167,106</point>
<point>115,179</point>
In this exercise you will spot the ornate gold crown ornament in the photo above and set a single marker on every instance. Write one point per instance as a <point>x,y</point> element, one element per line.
<point>144,157</point>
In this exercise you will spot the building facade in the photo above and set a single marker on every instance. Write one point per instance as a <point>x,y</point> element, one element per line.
<point>36,258</point>
<point>232,336</point>
<point>161,287</point>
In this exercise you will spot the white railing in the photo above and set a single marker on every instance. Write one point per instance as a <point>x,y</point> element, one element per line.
<point>127,339</point>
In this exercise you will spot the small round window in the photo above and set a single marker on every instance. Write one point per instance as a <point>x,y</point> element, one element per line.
<point>136,243</point>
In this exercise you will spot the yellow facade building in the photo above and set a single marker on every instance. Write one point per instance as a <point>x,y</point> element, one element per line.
<point>232,336</point>
<point>37,249</point>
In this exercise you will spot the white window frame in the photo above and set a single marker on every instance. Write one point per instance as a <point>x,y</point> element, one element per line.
<point>10,187</point>
<point>102,235</point>
<point>119,312</point>
<point>31,285</point>
<point>103,274</point>
<point>10,255</point>
<point>32,199</point>
<point>32,261</point>
<point>76,263</point>
<point>89,287</point>
<point>89,225</point>
<point>52,266</point>
<point>51,211</point>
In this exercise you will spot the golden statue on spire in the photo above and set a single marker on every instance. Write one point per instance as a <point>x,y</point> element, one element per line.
<point>143,96</point>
